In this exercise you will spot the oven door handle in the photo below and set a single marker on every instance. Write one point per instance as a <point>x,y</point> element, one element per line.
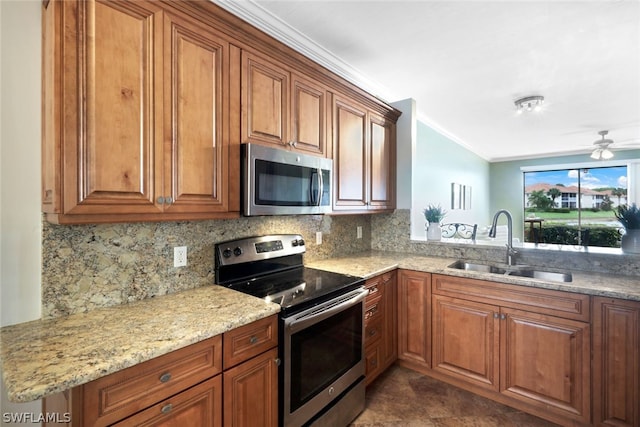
<point>326,310</point>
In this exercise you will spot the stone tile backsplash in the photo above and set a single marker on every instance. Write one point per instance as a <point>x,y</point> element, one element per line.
<point>85,267</point>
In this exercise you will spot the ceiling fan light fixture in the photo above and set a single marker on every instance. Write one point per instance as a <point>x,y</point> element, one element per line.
<point>529,103</point>
<point>602,152</point>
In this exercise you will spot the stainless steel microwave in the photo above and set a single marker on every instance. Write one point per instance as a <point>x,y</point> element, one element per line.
<point>280,182</point>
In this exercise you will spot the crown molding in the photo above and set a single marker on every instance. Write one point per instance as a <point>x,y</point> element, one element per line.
<point>256,15</point>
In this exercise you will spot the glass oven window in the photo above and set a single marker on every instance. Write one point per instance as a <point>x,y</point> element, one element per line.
<point>323,352</point>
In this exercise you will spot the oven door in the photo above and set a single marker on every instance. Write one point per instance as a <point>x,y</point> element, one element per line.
<point>323,355</point>
<point>279,182</point>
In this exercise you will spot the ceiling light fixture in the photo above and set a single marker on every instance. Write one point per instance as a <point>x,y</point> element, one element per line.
<point>529,103</point>
<point>602,152</point>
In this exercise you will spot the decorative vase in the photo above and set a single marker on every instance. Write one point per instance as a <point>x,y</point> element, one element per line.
<point>433,231</point>
<point>630,242</point>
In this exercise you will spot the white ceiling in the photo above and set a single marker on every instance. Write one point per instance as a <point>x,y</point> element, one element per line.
<point>465,62</point>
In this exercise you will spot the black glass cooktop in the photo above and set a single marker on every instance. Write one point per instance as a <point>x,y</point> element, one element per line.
<point>298,287</point>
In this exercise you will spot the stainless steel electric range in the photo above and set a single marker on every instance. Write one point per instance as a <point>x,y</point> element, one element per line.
<point>321,326</point>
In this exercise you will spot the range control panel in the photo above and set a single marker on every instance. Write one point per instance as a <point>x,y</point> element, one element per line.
<point>258,248</point>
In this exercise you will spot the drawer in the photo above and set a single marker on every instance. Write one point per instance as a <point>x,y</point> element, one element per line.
<point>203,403</point>
<point>250,340</point>
<point>374,286</point>
<point>373,331</point>
<point>544,301</point>
<point>373,362</point>
<point>373,309</point>
<point>126,392</point>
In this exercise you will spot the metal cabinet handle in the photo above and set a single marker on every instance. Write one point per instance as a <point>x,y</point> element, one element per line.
<point>166,408</point>
<point>373,289</point>
<point>277,361</point>
<point>373,332</point>
<point>165,377</point>
<point>293,144</point>
<point>168,200</point>
<point>253,339</point>
<point>373,310</point>
<point>160,200</point>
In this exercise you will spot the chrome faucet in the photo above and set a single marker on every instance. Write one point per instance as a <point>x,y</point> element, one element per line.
<point>511,253</point>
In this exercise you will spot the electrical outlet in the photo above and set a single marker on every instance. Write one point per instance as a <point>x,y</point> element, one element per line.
<point>318,237</point>
<point>359,232</point>
<point>179,256</point>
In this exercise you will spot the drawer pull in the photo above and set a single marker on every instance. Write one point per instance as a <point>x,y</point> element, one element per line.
<point>372,332</point>
<point>166,408</point>
<point>253,339</point>
<point>277,361</point>
<point>373,289</point>
<point>165,377</point>
<point>373,310</point>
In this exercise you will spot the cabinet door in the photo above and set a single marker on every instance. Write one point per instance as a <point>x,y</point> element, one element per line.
<point>308,116</point>
<point>111,96</point>
<point>414,315</point>
<point>199,406</point>
<point>616,362</point>
<point>350,155</point>
<point>196,160</point>
<point>546,363</point>
<point>251,392</point>
<point>265,101</point>
<point>466,340</point>
<point>382,163</point>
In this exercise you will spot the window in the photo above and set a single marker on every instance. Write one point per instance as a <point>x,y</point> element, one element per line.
<point>574,206</point>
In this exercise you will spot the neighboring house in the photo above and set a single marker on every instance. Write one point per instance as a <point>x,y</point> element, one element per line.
<point>569,196</point>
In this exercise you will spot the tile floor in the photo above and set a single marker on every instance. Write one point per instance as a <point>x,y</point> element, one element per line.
<point>404,398</point>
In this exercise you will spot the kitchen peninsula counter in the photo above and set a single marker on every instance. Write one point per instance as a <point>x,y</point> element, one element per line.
<point>370,264</point>
<point>43,357</point>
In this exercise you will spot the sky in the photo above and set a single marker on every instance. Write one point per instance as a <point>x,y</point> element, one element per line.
<point>589,178</point>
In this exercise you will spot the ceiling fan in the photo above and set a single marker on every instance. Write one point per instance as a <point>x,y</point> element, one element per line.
<point>602,152</point>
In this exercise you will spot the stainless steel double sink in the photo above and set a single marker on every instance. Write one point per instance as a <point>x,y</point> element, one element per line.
<point>519,271</point>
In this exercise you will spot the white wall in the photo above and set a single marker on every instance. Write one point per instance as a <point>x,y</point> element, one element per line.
<point>405,147</point>
<point>20,220</point>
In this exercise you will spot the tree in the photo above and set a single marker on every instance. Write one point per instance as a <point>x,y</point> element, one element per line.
<point>554,193</point>
<point>619,192</point>
<point>606,204</point>
<point>539,200</point>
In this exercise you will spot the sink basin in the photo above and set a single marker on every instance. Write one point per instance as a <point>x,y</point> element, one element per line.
<point>543,275</point>
<point>484,268</point>
<point>515,271</point>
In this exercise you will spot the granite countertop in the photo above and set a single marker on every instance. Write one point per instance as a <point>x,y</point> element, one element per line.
<point>373,263</point>
<point>43,357</point>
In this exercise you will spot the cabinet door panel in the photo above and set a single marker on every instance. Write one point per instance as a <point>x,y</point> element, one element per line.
<point>117,80</point>
<point>350,143</point>
<point>251,392</point>
<point>309,110</point>
<point>196,82</point>
<point>616,362</point>
<point>382,163</point>
<point>466,340</point>
<point>546,362</point>
<point>265,101</point>
<point>414,313</point>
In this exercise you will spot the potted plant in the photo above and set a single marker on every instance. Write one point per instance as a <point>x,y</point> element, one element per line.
<point>433,214</point>
<point>629,217</point>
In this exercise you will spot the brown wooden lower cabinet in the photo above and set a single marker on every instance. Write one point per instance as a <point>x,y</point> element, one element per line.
<point>414,319</point>
<point>616,362</point>
<point>191,386</point>
<point>380,324</point>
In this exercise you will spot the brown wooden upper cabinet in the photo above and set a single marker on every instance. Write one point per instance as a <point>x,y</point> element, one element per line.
<point>135,115</point>
<point>364,158</point>
<point>282,107</point>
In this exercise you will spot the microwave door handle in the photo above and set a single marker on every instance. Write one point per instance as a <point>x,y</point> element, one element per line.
<point>311,198</point>
<point>320,186</point>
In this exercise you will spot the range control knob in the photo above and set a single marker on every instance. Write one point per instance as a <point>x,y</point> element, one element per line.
<point>294,243</point>
<point>226,253</point>
<point>237,251</point>
<point>300,242</point>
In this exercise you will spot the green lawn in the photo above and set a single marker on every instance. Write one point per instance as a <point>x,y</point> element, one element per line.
<point>573,215</point>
